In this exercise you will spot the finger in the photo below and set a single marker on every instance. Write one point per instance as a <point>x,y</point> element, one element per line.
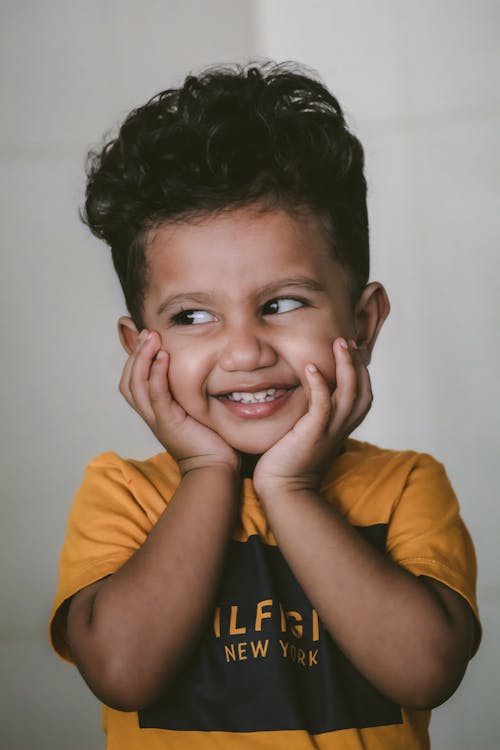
<point>345,393</point>
<point>159,393</point>
<point>364,394</point>
<point>319,411</point>
<point>148,346</point>
<point>124,385</point>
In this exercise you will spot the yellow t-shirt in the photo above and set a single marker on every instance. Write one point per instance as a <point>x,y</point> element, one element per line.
<point>267,674</point>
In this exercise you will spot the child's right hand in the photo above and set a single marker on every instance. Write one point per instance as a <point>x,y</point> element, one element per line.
<point>144,384</point>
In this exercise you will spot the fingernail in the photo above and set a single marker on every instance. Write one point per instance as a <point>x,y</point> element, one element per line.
<point>311,368</point>
<point>145,335</point>
<point>343,343</point>
<point>353,344</point>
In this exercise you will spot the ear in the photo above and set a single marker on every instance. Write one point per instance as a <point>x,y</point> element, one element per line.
<point>372,309</point>
<point>128,333</point>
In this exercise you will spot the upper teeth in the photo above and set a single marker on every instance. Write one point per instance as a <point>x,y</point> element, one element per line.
<point>252,398</point>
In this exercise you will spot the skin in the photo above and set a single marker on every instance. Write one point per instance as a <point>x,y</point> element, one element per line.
<point>271,307</point>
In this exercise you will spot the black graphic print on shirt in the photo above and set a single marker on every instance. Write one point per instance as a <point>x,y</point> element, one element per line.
<point>266,662</point>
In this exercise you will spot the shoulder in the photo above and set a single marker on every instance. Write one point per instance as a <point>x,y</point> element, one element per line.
<point>370,484</point>
<point>159,470</point>
<point>408,486</point>
<point>365,463</point>
<point>160,463</point>
<point>116,486</point>
<point>359,450</point>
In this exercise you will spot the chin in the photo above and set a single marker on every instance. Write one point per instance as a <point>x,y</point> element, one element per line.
<point>251,448</point>
<point>255,446</point>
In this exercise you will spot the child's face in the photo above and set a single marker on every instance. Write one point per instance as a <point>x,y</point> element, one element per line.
<point>242,302</point>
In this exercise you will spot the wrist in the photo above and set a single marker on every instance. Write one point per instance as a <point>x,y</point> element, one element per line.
<point>274,488</point>
<point>208,465</point>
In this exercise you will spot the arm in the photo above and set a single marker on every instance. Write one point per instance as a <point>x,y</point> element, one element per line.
<point>411,637</point>
<point>131,633</point>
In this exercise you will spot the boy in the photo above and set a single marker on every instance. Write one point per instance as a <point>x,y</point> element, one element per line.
<point>266,581</point>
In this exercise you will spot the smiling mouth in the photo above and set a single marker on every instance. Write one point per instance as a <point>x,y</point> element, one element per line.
<point>256,404</point>
<point>258,397</point>
<point>261,395</point>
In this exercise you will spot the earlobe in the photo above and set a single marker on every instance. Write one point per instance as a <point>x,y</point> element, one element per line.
<point>128,333</point>
<point>371,311</point>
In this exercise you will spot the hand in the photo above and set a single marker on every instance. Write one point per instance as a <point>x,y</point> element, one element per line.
<point>299,459</point>
<point>144,384</point>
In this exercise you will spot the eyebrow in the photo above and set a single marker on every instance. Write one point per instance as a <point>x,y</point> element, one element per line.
<point>176,299</point>
<point>202,298</point>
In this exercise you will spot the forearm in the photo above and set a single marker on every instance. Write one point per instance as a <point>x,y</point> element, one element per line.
<point>132,634</point>
<point>390,624</point>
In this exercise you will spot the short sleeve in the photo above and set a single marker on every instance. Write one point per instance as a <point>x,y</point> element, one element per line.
<point>106,525</point>
<point>427,535</point>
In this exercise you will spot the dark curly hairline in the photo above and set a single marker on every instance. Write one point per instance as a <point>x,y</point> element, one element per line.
<point>133,273</point>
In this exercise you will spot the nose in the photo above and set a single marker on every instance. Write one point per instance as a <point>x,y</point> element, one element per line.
<point>246,348</point>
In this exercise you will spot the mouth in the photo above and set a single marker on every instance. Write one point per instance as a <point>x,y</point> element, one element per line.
<point>256,397</point>
<point>258,402</point>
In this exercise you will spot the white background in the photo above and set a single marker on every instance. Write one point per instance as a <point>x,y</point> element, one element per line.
<point>420,85</point>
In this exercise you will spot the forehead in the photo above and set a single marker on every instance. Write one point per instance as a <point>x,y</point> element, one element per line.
<point>239,250</point>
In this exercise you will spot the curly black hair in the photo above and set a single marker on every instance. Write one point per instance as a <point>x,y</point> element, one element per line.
<point>231,136</point>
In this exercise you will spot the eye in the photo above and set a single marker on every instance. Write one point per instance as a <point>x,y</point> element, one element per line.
<point>282,305</point>
<point>192,317</point>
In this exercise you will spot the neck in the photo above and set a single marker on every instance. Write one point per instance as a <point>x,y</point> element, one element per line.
<point>248,464</point>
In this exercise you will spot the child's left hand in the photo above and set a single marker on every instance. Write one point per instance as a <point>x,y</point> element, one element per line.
<point>299,459</point>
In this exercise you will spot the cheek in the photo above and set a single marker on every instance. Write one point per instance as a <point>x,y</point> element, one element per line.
<point>326,364</point>
<point>317,350</point>
<point>185,378</point>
